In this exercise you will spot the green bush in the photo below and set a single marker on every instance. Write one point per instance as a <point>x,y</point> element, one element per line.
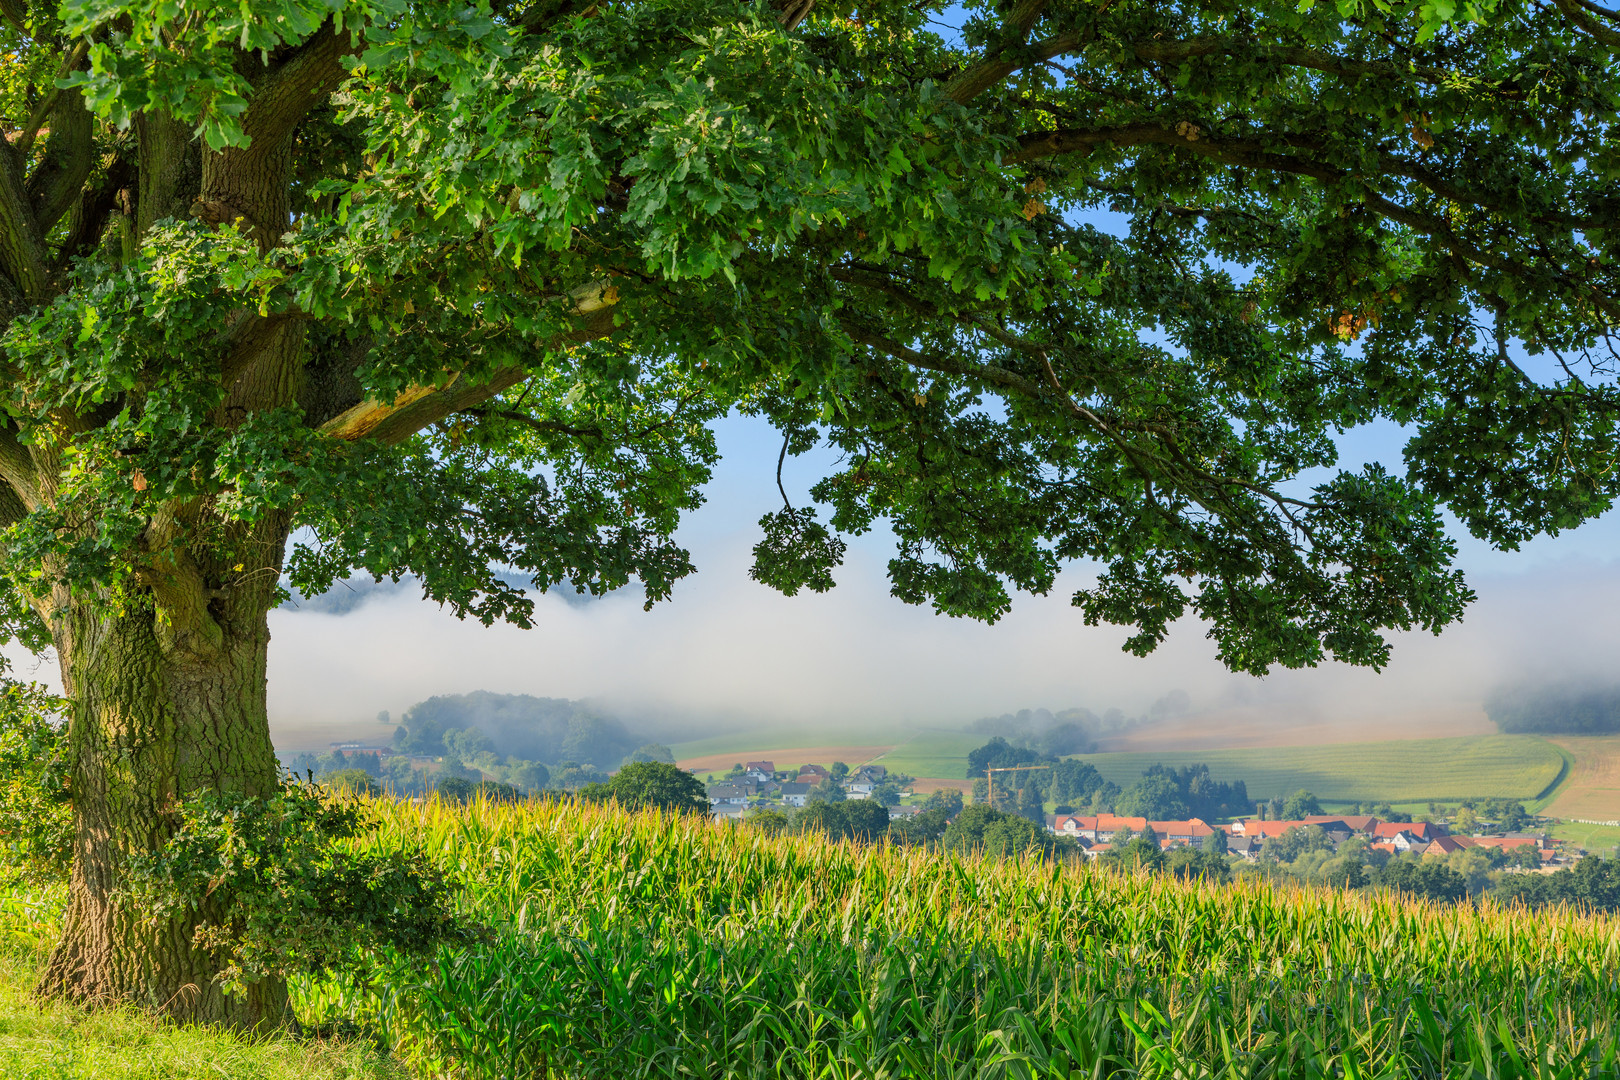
<point>280,891</point>
<point>36,819</point>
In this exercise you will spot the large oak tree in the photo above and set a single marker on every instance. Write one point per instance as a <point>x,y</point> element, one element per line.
<point>454,290</point>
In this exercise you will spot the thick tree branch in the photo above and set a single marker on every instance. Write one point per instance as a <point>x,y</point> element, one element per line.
<point>285,95</point>
<point>1287,55</point>
<point>1012,55</point>
<point>57,182</point>
<point>22,248</point>
<point>17,469</point>
<point>1188,139</point>
<point>1254,155</point>
<point>1587,16</point>
<point>790,13</point>
<point>420,406</point>
<point>24,141</point>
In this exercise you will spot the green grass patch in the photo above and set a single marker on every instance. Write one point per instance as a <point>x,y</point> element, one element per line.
<point>51,1040</point>
<point>1596,839</point>
<point>940,754</point>
<point>1489,766</point>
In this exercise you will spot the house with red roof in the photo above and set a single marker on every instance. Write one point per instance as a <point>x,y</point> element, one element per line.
<point>1418,830</point>
<point>1264,830</point>
<point>1103,827</point>
<point>1510,843</point>
<point>1356,823</point>
<point>1191,831</point>
<point>1099,829</point>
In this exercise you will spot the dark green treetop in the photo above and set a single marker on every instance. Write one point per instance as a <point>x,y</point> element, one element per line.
<point>533,250</point>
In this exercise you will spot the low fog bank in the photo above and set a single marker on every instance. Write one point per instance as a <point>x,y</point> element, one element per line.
<point>727,653</point>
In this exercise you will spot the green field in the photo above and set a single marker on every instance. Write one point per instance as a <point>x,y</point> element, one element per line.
<point>934,753</point>
<point>1490,766</point>
<point>1597,839</point>
<point>635,945</point>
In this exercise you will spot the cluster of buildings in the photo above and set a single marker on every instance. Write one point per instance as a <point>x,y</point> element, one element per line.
<point>761,785</point>
<point>1249,836</point>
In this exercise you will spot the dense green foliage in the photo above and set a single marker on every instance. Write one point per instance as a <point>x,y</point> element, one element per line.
<point>857,228</point>
<point>1171,794</point>
<point>1521,767</point>
<point>658,785</point>
<point>1555,709</point>
<point>855,819</point>
<point>280,889</point>
<point>547,730</point>
<point>1061,781</point>
<point>1428,879</point>
<point>36,831</point>
<point>1592,883</point>
<point>629,945</point>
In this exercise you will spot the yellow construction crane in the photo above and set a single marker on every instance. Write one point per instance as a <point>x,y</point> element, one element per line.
<point>990,776</point>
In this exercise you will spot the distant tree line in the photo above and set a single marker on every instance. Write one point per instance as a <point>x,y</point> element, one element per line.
<point>1169,794</point>
<point>1075,731</point>
<point>1553,708</point>
<point>1162,794</point>
<point>526,743</point>
<point>1592,883</point>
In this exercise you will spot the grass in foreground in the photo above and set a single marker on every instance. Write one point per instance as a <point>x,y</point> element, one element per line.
<point>54,1041</point>
<point>1491,766</point>
<point>632,945</point>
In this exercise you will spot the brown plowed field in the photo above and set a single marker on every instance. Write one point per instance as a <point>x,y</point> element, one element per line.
<point>785,759</point>
<point>1593,790</point>
<point>932,784</point>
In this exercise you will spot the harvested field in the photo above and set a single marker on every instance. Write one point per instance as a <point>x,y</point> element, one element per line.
<point>1593,789</point>
<point>933,784</point>
<point>785,759</point>
<point>294,736</point>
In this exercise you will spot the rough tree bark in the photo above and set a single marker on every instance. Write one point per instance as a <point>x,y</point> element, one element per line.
<point>153,722</point>
<point>168,693</point>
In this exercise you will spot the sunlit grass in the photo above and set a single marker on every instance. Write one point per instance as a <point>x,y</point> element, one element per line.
<point>54,1041</point>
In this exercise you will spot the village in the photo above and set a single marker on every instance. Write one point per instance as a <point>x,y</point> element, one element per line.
<point>759,785</point>
<point>1248,837</point>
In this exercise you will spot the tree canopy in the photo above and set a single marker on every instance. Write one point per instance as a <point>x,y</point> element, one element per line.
<point>293,291</point>
<point>529,254</point>
<point>658,785</point>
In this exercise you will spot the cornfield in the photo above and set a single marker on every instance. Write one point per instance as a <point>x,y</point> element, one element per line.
<point>641,945</point>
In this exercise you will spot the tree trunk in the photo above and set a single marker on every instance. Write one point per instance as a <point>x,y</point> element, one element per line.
<point>169,692</point>
<point>151,725</point>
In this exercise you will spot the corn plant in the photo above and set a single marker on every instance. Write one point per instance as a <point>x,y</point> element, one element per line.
<point>646,945</point>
